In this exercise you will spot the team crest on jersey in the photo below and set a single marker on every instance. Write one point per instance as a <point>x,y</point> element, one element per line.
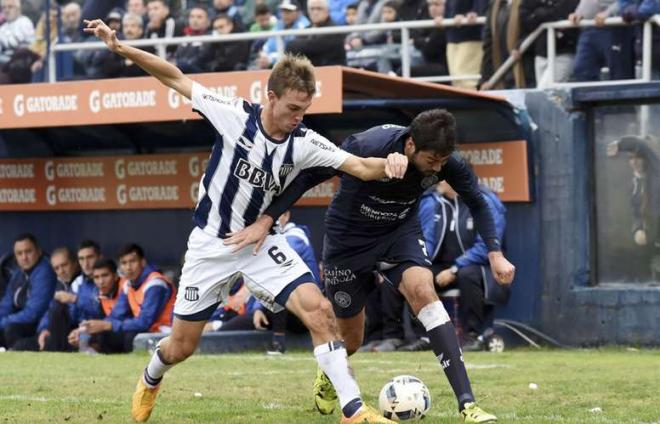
<point>192,294</point>
<point>429,181</point>
<point>285,169</point>
<point>343,299</point>
<point>256,176</point>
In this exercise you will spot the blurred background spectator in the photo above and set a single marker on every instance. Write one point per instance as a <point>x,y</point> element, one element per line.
<point>291,17</point>
<point>321,50</point>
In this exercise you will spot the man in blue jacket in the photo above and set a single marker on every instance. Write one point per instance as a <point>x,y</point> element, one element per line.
<point>460,256</point>
<point>28,294</point>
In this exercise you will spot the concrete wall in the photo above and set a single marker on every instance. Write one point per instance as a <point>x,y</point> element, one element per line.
<point>574,308</point>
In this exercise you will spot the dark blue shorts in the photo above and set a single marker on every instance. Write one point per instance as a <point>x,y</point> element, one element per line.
<point>351,266</point>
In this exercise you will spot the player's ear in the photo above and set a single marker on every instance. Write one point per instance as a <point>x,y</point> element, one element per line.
<point>271,96</point>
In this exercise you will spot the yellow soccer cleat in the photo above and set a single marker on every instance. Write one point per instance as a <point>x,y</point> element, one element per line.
<point>325,395</point>
<point>366,415</point>
<point>144,400</point>
<point>471,413</point>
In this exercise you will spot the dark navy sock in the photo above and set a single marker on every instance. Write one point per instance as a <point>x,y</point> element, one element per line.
<point>352,407</point>
<point>445,346</point>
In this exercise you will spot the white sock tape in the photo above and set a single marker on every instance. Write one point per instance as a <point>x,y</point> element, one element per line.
<point>433,315</point>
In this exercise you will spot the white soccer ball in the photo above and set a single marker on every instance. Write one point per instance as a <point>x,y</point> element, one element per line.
<point>404,398</point>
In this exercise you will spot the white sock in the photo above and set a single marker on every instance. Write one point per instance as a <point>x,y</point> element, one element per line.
<point>333,360</point>
<point>155,370</point>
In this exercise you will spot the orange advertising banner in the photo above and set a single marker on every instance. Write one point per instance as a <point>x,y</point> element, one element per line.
<point>501,166</point>
<point>144,99</point>
<point>113,182</point>
<point>171,181</point>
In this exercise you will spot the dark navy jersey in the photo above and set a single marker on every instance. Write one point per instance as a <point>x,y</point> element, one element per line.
<point>363,210</point>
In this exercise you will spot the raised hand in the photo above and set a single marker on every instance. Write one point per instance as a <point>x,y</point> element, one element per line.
<point>103,33</point>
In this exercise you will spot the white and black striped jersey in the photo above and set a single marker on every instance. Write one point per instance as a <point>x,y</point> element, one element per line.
<point>247,167</point>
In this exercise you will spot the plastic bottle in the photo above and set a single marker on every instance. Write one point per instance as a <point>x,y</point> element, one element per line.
<point>83,341</point>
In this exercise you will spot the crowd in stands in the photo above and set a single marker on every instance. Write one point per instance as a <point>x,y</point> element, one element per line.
<point>86,301</point>
<point>582,54</point>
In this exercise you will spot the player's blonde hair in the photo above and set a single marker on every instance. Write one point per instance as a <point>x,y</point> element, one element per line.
<point>292,72</point>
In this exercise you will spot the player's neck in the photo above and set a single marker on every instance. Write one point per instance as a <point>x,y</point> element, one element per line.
<point>269,125</point>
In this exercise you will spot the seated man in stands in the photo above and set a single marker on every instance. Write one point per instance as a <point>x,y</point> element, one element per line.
<point>321,50</point>
<point>144,305</point>
<point>16,30</point>
<point>187,55</point>
<point>291,18</point>
<point>109,287</point>
<point>460,257</point>
<point>28,293</point>
<point>56,324</point>
<point>161,23</point>
<point>228,56</point>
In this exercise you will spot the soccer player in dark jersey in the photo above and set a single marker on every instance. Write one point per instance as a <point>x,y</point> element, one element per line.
<point>374,226</point>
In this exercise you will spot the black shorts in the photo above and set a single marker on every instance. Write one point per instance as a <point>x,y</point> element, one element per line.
<point>350,266</point>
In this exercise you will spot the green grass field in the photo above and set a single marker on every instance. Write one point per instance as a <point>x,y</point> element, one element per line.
<point>253,388</point>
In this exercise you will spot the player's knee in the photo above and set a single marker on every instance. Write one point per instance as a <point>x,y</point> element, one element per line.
<point>421,295</point>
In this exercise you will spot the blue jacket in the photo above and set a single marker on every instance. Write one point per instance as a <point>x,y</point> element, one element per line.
<point>155,298</point>
<point>71,287</point>
<point>87,304</point>
<point>28,295</point>
<point>432,216</point>
<point>633,10</point>
<point>270,48</point>
<point>298,237</point>
<point>338,10</point>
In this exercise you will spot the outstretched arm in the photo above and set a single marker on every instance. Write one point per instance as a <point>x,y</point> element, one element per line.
<point>162,70</point>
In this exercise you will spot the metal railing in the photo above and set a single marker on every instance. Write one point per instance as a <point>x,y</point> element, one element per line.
<point>160,43</point>
<point>551,27</point>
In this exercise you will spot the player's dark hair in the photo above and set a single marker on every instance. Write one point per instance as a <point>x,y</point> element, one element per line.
<point>292,72</point>
<point>131,248</point>
<point>106,263</point>
<point>434,130</point>
<point>90,243</point>
<point>27,236</point>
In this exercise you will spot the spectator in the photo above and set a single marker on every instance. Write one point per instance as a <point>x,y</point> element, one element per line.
<point>602,47</point>
<point>291,18</point>
<point>383,55</point>
<point>633,10</point>
<point>114,18</point>
<point>87,305</point>
<point>161,23</point>
<point>431,42</point>
<point>56,323</point>
<point>28,293</point>
<point>227,56</point>
<point>187,56</point>
<point>227,7</point>
<point>533,13</point>
<point>644,161</point>
<point>137,7</point>
<point>145,303</point>
<point>369,11</point>
<point>321,50</point>
<point>110,65</point>
<point>109,287</point>
<point>460,257</point>
<point>17,30</point>
<point>464,44</point>
<point>263,21</point>
<point>338,10</point>
<point>350,16</point>
<point>501,39</point>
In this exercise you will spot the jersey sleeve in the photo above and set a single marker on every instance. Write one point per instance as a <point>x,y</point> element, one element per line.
<point>317,151</point>
<point>226,114</point>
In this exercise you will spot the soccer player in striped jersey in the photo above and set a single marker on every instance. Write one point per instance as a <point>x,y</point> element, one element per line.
<point>257,153</point>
